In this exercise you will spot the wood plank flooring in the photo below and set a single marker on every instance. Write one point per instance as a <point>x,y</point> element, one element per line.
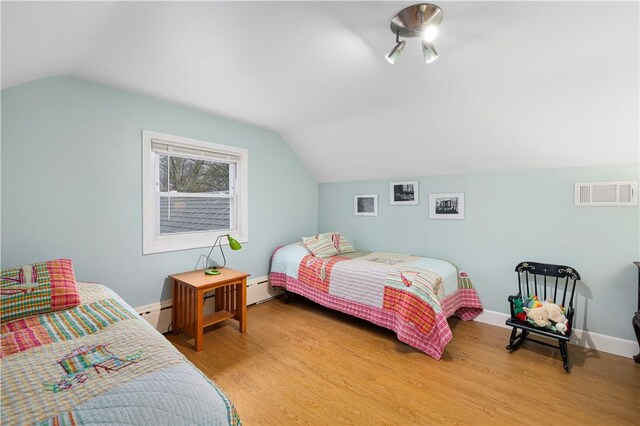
<point>300,363</point>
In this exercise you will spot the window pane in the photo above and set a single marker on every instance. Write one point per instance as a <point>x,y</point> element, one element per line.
<point>192,214</point>
<point>191,175</point>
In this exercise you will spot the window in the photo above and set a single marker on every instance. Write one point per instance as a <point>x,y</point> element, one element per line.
<point>193,191</point>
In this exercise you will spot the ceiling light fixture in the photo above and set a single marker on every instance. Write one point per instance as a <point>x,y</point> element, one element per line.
<point>419,20</point>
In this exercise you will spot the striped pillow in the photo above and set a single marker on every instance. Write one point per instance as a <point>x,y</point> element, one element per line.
<point>342,244</point>
<point>320,247</point>
<point>37,289</point>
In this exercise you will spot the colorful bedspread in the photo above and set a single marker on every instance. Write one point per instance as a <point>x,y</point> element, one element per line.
<point>410,295</point>
<point>101,363</point>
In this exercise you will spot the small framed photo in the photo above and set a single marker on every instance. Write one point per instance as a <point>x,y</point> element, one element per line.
<point>365,205</point>
<point>446,206</point>
<point>404,193</point>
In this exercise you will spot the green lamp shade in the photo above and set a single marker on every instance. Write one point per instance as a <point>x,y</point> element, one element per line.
<point>233,243</point>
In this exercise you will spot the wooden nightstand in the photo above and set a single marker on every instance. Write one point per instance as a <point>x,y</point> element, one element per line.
<point>188,299</point>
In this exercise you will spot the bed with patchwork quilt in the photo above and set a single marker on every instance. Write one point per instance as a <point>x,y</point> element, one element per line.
<point>99,362</point>
<point>410,295</point>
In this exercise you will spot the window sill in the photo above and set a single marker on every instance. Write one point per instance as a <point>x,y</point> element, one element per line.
<point>187,242</point>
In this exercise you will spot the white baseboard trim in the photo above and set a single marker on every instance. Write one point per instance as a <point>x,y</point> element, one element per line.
<point>584,338</point>
<point>159,314</point>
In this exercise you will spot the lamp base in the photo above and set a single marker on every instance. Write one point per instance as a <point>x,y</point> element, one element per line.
<point>211,272</point>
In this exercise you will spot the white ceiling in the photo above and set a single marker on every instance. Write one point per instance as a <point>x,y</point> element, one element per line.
<point>518,85</point>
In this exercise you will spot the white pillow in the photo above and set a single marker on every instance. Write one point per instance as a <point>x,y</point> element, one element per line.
<point>342,244</point>
<point>320,247</point>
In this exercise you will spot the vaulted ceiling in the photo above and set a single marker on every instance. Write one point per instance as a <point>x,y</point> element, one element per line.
<point>518,85</point>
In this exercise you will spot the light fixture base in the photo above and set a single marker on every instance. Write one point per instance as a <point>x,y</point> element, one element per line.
<point>411,21</point>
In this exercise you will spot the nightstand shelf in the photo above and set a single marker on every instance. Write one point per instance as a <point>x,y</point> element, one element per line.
<point>216,317</point>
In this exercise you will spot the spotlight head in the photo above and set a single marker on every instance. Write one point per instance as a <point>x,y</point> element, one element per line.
<point>429,33</point>
<point>429,52</point>
<point>392,56</point>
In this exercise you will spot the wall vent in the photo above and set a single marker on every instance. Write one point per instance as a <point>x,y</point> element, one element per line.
<point>621,193</point>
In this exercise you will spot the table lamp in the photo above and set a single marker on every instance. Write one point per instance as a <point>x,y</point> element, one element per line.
<point>233,244</point>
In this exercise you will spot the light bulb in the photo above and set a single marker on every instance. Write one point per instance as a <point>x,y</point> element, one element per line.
<point>429,52</point>
<point>395,52</point>
<point>429,34</point>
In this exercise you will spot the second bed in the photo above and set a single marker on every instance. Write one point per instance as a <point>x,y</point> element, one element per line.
<point>410,295</point>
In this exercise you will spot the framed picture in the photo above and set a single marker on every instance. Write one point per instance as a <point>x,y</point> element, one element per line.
<point>446,206</point>
<point>403,193</point>
<point>365,205</point>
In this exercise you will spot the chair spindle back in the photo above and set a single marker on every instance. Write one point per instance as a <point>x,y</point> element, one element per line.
<point>559,272</point>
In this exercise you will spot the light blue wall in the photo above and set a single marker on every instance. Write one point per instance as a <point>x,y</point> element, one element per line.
<point>510,217</point>
<point>71,187</point>
<point>71,184</point>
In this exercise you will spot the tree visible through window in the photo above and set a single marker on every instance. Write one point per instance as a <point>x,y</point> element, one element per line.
<point>195,195</point>
<point>191,175</point>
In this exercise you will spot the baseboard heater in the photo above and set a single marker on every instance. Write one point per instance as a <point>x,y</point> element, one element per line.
<point>159,314</point>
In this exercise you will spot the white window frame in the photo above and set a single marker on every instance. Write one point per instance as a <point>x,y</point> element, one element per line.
<point>152,241</point>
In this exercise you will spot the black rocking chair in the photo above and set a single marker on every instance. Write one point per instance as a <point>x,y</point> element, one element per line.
<point>565,280</point>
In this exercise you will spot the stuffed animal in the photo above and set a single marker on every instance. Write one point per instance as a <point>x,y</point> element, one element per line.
<point>538,316</point>
<point>518,309</point>
<point>532,302</point>
<point>561,327</point>
<point>554,311</point>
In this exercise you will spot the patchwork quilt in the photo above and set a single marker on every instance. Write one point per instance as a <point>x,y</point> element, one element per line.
<point>410,295</point>
<point>101,363</point>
